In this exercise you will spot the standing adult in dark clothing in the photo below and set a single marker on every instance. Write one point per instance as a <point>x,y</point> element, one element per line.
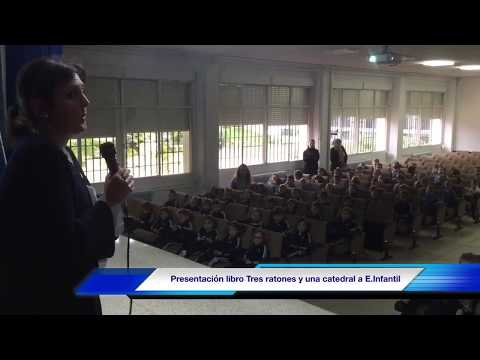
<point>310,159</point>
<point>338,155</point>
<point>242,179</point>
<point>68,230</point>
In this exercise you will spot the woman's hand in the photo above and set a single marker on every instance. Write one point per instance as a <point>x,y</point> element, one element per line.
<point>118,186</point>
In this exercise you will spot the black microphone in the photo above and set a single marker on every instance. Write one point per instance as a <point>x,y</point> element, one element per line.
<point>108,152</point>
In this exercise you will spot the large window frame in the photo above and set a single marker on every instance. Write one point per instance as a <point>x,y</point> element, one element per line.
<point>360,122</point>
<point>424,119</point>
<point>271,142</point>
<point>164,152</point>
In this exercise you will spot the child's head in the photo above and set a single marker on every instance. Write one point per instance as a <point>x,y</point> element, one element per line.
<point>234,229</point>
<point>396,165</point>
<point>355,180</point>
<point>147,207</point>
<point>315,208</point>
<point>277,215</point>
<point>291,205</point>
<point>329,188</point>
<point>256,215</point>
<point>217,206</point>
<point>283,189</point>
<point>298,174</point>
<point>258,237</point>
<point>291,180</point>
<point>195,201</point>
<point>276,179</point>
<point>209,224</point>
<point>297,194</point>
<point>163,213</point>
<point>376,162</point>
<point>206,205</point>
<point>184,216</point>
<point>172,194</point>
<point>346,213</point>
<point>302,226</point>
<point>322,172</point>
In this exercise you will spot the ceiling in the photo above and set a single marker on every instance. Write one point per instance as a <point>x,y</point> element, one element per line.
<point>355,56</point>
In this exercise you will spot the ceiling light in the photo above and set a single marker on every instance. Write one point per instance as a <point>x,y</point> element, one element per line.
<point>469,67</point>
<point>438,63</point>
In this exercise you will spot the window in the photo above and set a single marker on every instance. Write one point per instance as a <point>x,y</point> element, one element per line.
<point>149,120</point>
<point>87,151</point>
<point>262,124</point>
<point>359,119</point>
<point>424,120</point>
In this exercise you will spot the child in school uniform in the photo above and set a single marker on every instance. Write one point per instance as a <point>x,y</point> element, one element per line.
<point>343,227</point>
<point>284,192</point>
<point>172,199</point>
<point>206,237</point>
<point>182,233</point>
<point>227,249</point>
<point>217,211</point>
<point>194,204</point>
<point>163,226</point>
<point>278,223</point>
<point>403,209</point>
<point>206,207</point>
<point>290,181</point>
<point>255,218</point>
<point>299,240</point>
<point>258,250</point>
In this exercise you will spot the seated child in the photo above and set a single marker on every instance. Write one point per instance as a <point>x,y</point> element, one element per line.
<point>206,237</point>
<point>291,207</point>
<point>355,189</point>
<point>194,204</point>
<point>297,194</point>
<point>298,178</point>
<point>403,209</point>
<point>182,233</point>
<point>472,194</point>
<point>278,223</point>
<point>284,192</point>
<point>255,218</point>
<point>206,207</point>
<point>343,228</point>
<point>228,248</point>
<point>374,230</point>
<point>258,251</point>
<point>163,226</point>
<point>299,241</point>
<point>172,199</point>
<point>274,182</point>
<point>147,217</point>
<point>217,210</point>
<point>290,181</point>
<point>315,211</point>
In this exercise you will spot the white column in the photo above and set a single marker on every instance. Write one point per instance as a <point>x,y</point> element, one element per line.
<point>397,118</point>
<point>204,139</point>
<point>323,81</point>
<point>450,111</point>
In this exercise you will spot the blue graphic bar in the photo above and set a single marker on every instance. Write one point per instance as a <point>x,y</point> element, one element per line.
<point>434,278</point>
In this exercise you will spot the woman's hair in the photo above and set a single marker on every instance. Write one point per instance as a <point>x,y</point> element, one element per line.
<point>246,178</point>
<point>18,124</point>
<point>39,79</point>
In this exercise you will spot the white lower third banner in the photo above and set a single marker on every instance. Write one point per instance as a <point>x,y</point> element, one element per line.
<point>278,279</point>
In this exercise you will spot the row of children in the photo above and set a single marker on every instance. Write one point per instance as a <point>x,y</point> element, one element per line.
<point>176,233</point>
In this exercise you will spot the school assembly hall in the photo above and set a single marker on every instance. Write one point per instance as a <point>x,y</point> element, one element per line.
<point>250,154</point>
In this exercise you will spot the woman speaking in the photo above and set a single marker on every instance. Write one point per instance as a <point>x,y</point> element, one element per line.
<point>53,230</point>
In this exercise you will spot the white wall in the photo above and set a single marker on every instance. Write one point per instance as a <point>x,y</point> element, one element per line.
<point>467,127</point>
